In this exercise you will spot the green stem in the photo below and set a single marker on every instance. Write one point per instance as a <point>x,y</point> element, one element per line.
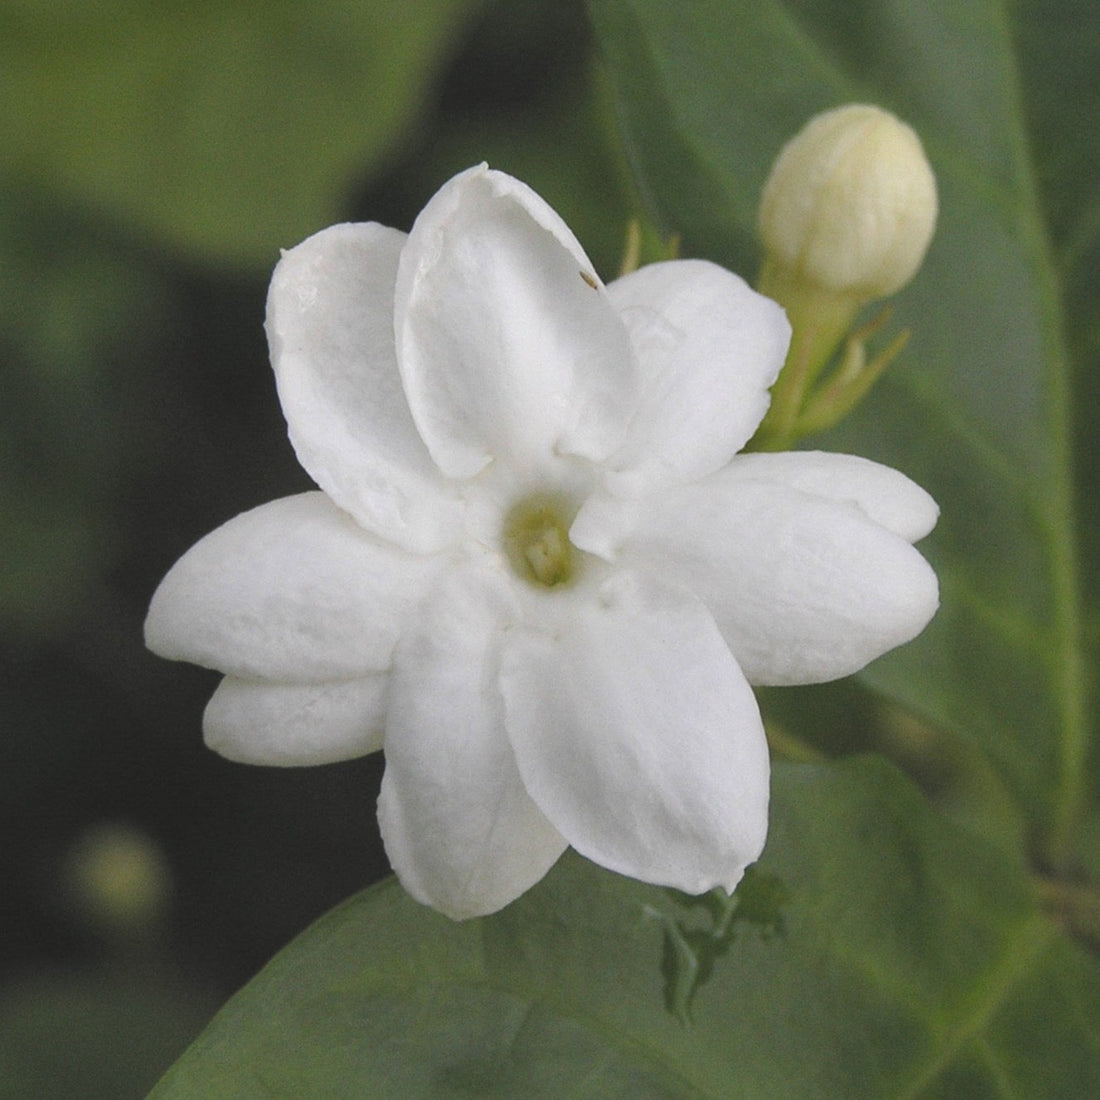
<point>820,318</point>
<point>1076,905</point>
<point>848,385</point>
<point>784,744</point>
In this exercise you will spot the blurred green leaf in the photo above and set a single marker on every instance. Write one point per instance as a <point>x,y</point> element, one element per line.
<point>983,406</point>
<point>908,959</point>
<point>75,311</point>
<point>94,1036</point>
<point>228,129</point>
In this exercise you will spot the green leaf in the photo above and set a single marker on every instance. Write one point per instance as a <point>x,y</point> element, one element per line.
<point>908,959</point>
<point>60,1034</point>
<point>228,129</point>
<point>1002,369</point>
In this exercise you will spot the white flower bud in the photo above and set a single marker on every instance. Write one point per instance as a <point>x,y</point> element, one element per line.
<point>851,203</point>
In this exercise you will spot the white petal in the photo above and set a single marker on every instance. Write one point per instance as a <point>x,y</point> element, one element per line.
<point>505,349</point>
<point>330,328</point>
<point>459,828</point>
<point>708,347</point>
<point>639,737</point>
<point>254,722</point>
<point>291,591</point>
<point>880,492</point>
<point>804,589</point>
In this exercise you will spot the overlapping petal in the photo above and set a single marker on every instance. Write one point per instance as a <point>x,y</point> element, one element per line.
<point>255,722</point>
<point>291,591</point>
<point>883,494</point>
<point>708,347</point>
<point>330,328</point>
<point>638,736</point>
<point>460,829</point>
<point>804,588</point>
<point>505,349</point>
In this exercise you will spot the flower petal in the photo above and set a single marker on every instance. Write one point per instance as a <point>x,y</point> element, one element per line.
<point>459,828</point>
<point>292,591</point>
<point>254,722</point>
<point>804,589</point>
<point>880,492</point>
<point>708,347</point>
<point>639,738</point>
<point>330,329</point>
<point>505,348</point>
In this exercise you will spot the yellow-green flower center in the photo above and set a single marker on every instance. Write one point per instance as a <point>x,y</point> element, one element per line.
<point>536,540</point>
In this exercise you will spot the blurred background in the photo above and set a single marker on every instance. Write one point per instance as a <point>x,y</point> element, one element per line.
<point>154,157</point>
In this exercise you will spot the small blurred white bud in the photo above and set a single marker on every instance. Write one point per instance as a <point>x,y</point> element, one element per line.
<point>118,879</point>
<point>850,204</point>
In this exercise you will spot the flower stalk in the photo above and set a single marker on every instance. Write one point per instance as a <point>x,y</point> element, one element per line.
<point>820,319</point>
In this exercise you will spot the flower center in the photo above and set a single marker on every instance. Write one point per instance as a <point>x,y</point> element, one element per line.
<point>536,540</point>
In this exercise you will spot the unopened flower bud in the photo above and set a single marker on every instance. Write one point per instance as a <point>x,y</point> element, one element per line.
<point>850,204</point>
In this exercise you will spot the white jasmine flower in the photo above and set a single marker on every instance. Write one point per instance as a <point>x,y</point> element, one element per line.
<point>537,574</point>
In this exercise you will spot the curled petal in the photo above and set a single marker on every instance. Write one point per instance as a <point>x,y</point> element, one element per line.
<point>708,347</point>
<point>292,591</point>
<point>639,738</point>
<point>505,346</point>
<point>879,492</point>
<point>254,722</point>
<point>460,829</point>
<point>330,329</point>
<point>804,589</point>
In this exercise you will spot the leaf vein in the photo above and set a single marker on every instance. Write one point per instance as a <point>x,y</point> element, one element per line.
<point>1019,956</point>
